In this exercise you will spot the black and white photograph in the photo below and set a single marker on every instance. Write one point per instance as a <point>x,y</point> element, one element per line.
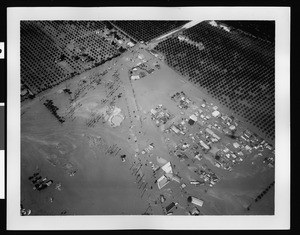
<point>152,117</point>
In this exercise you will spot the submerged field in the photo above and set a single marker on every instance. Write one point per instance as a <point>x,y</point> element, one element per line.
<point>82,154</point>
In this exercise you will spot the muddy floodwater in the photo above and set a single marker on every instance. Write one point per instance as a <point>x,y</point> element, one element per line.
<point>105,148</point>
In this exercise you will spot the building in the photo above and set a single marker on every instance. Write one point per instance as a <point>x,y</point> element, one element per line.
<point>171,206</point>
<point>175,129</point>
<point>216,113</point>
<point>153,111</point>
<point>162,181</point>
<point>205,146</point>
<point>191,122</point>
<point>167,168</point>
<point>173,177</point>
<point>195,201</point>
<point>193,117</point>
<point>209,131</point>
<point>236,145</point>
<point>135,77</point>
<point>130,44</point>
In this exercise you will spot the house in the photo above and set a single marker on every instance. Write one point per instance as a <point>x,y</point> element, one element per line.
<point>216,113</point>
<point>135,77</point>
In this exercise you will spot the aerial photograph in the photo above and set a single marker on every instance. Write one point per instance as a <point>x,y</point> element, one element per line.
<point>147,117</point>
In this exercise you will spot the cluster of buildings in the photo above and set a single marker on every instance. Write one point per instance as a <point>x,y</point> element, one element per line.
<point>184,101</point>
<point>115,37</point>
<point>211,133</point>
<point>178,128</point>
<point>142,68</point>
<point>148,149</point>
<point>160,115</point>
<point>166,176</point>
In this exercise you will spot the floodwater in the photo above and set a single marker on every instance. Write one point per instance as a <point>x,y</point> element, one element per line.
<point>89,180</point>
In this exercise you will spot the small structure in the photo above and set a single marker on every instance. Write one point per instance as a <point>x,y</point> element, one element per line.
<point>162,198</point>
